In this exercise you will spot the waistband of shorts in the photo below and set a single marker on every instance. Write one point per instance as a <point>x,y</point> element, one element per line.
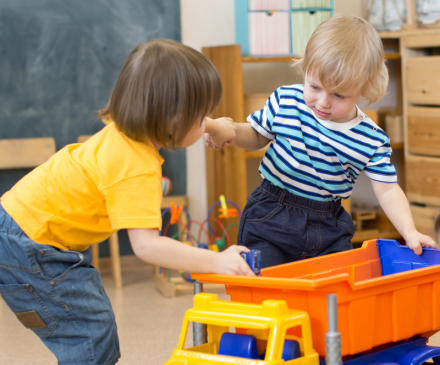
<point>286,197</point>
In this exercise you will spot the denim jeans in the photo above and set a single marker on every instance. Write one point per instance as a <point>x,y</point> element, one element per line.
<point>59,296</point>
<point>286,227</point>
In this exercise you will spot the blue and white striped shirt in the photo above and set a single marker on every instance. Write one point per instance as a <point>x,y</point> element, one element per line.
<point>314,158</point>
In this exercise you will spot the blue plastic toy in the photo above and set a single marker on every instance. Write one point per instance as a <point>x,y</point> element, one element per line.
<point>395,258</point>
<point>234,344</point>
<point>253,258</point>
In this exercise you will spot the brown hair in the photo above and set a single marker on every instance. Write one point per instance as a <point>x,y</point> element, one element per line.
<point>164,89</point>
<point>345,52</point>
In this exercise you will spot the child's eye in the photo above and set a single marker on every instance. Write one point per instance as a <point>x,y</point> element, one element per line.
<point>314,87</point>
<point>339,96</point>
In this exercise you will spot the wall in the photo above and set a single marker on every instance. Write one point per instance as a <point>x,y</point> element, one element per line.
<point>204,23</point>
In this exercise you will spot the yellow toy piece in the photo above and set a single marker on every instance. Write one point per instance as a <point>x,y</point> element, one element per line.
<point>267,323</point>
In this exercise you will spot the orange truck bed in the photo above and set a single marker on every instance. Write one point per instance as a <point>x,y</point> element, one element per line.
<point>372,309</point>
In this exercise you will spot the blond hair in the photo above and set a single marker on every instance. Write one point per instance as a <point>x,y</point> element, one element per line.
<point>346,53</point>
<point>164,89</point>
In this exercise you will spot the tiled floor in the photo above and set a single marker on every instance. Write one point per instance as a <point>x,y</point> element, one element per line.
<point>148,324</point>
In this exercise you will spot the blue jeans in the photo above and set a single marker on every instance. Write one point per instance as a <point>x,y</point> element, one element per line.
<point>59,296</point>
<point>287,227</point>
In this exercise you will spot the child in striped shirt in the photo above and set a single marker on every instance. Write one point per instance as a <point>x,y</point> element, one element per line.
<point>320,141</point>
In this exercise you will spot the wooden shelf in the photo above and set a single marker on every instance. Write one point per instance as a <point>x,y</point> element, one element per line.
<point>360,237</point>
<point>397,146</point>
<point>176,199</point>
<point>268,59</point>
<point>392,56</point>
<point>406,33</point>
<point>250,59</point>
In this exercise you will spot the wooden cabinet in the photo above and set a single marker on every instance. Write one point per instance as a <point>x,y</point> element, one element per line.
<point>421,106</point>
<point>423,179</point>
<point>423,80</point>
<point>423,130</point>
<point>424,218</point>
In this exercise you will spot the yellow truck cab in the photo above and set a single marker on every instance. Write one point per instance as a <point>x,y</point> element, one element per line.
<point>266,334</point>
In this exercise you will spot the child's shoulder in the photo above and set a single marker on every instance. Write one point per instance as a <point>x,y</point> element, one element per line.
<point>289,90</point>
<point>369,127</point>
<point>289,94</point>
<point>110,149</point>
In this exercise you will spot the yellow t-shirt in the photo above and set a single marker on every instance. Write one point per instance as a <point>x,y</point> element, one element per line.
<point>85,192</point>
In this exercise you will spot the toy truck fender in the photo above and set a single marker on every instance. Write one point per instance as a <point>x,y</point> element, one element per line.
<point>413,352</point>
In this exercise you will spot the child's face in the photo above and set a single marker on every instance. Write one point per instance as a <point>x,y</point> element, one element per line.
<point>330,104</point>
<point>195,133</point>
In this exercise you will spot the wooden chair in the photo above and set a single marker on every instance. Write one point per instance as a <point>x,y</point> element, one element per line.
<point>25,152</point>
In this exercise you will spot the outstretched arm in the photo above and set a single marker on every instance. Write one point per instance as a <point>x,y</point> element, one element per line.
<point>395,205</point>
<point>150,247</point>
<point>225,132</point>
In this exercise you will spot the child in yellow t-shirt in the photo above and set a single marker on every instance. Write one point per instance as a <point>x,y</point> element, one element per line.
<point>85,192</point>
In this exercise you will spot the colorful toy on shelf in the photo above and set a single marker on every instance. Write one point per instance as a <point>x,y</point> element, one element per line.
<point>225,212</point>
<point>167,186</point>
<point>382,317</point>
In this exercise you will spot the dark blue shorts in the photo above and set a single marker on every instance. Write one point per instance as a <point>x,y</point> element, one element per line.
<point>59,296</point>
<point>287,227</point>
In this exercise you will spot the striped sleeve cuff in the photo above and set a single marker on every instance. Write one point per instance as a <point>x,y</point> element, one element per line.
<point>259,128</point>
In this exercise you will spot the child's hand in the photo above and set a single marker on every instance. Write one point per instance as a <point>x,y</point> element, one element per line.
<point>230,262</point>
<point>416,241</point>
<point>220,132</point>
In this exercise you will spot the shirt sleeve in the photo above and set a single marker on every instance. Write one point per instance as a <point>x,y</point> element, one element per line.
<point>135,202</point>
<point>379,167</point>
<point>262,120</point>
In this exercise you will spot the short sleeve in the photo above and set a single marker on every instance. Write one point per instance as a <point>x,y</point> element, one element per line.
<point>262,120</point>
<point>135,202</point>
<point>379,167</point>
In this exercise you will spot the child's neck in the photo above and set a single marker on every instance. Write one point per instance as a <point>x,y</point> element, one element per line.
<point>156,145</point>
<point>350,116</point>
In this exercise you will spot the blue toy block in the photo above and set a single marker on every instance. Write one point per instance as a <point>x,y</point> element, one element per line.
<point>291,350</point>
<point>253,258</point>
<point>395,258</point>
<point>238,345</point>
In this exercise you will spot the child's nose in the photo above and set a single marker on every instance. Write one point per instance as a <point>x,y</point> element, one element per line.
<point>324,101</point>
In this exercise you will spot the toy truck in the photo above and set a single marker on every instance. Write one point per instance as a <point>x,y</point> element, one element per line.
<point>263,339</point>
<point>384,305</point>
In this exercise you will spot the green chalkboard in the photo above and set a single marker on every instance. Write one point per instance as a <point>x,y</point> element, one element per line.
<point>60,60</point>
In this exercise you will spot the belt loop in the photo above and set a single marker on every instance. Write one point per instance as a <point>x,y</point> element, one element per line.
<point>282,196</point>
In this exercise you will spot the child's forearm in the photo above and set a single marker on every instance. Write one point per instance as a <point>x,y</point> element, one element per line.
<point>150,247</point>
<point>224,132</point>
<point>248,138</point>
<point>395,205</point>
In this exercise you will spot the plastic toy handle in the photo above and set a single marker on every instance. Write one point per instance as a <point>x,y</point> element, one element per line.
<point>223,204</point>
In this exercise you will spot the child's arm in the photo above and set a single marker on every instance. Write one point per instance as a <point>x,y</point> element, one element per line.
<point>225,132</point>
<point>150,247</point>
<point>395,205</point>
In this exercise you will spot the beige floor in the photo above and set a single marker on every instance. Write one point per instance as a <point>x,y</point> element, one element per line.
<point>148,324</point>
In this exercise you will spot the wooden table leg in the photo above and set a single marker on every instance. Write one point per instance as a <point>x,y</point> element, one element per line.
<point>116,260</point>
